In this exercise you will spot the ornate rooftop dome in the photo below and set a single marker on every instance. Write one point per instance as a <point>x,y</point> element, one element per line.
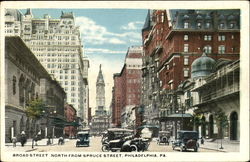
<point>202,66</point>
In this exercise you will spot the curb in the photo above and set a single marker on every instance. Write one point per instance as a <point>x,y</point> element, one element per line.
<point>31,150</point>
<point>213,149</point>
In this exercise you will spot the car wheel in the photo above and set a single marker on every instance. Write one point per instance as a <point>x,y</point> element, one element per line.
<point>105,148</point>
<point>133,148</point>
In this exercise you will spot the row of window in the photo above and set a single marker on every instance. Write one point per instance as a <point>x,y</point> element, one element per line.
<point>208,25</point>
<point>133,71</point>
<point>209,37</point>
<point>208,49</point>
<point>59,60</point>
<point>134,80</point>
<point>67,77</point>
<point>55,55</point>
<point>51,48</point>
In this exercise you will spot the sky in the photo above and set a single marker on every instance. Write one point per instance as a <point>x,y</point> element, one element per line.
<point>106,35</point>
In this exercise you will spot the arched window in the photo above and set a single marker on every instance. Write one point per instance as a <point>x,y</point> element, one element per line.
<point>207,49</point>
<point>14,85</point>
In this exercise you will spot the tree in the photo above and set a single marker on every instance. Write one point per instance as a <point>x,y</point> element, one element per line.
<point>221,120</point>
<point>35,109</point>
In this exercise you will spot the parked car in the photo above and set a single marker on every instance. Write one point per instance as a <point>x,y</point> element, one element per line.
<point>122,144</point>
<point>164,137</point>
<point>186,140</point>
<point>82,138</point>
<point>116,133</point>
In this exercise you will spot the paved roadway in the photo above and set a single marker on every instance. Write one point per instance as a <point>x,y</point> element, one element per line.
<point>95,146</point>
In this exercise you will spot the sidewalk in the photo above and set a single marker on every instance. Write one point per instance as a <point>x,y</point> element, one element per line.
<point>28,145</point>
<point>227,145</point>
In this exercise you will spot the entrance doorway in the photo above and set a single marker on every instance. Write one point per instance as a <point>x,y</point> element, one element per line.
<point>211,126</point>
<point>233,125</point>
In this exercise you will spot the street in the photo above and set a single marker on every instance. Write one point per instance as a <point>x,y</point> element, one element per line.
<point>95,146</point>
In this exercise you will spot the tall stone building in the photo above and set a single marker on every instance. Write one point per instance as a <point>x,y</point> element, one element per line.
<point>100,121</point>
<point>25,80</point>
<point>57,45</point>
<point>100,93</point>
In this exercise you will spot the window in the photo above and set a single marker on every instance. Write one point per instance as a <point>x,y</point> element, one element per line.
<point>185,47</point>
<point>221,25</point>
<point>231,25</point>
<point>66,82</point>
<point>199,25</point>
<point>207,49</point>
<point>185,60</point>
<point>185,37</point>
<point>207,37</point>
<point>208,25</point>
<point>186,25</point>
<point>221,49</point>
<point>185,73</point>
<point>221,38</point>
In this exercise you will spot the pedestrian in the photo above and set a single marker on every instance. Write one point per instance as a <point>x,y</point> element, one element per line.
<point>23,138</point>
<point>202,140</point>
<point>14,140</point>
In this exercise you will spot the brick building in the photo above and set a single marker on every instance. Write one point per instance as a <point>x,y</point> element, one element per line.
<point>127,89</point>
<point>70,114</point>
<point>173,39</point>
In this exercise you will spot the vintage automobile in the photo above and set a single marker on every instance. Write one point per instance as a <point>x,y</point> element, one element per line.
<point>186,140</point>
<point>82,138</point>
<point>117,144</point>
<point>116,133</point>
<point>164,137</point>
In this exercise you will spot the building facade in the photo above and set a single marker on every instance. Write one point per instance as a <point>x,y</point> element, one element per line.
<point>57,45</point>
<point>70,114</point>
<point>173,39</point>
<point>100,121</point>
<point>219,101</point>
<point>127,89</point>
<point>116,109</point>
<point>26,80</point>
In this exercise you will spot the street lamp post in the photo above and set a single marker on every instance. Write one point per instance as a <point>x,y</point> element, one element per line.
<point>221,147</point>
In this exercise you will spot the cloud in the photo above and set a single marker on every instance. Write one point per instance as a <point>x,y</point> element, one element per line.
<point>102,50</point>
<point>98,35</point>
<point>133,25</point>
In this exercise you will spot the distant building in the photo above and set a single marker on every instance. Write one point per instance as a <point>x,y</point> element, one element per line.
<point>70,114</point>
<point>57,45</point>
<point>127,89</point>
<point>100,121</point>
<point>26,80</point>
